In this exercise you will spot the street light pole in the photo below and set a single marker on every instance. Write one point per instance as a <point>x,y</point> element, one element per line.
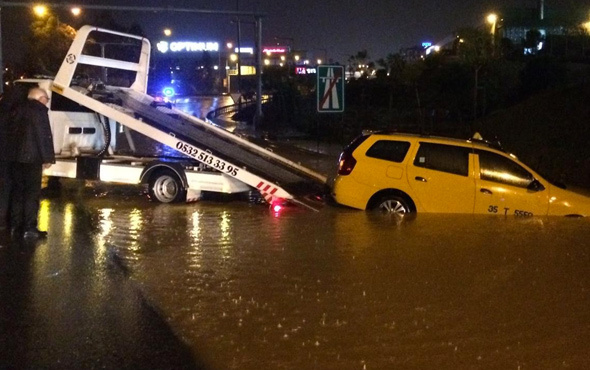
<point>492,19</point>
<point>239,57</point>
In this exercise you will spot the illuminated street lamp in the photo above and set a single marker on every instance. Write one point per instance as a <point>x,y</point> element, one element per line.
<point>76,11</point>
<point>319,61</point>
<point>40,10</point>
<point>492,18</point>
<point>167,32</point>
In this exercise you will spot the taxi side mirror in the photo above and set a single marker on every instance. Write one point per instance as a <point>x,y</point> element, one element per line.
<point>535,186</point>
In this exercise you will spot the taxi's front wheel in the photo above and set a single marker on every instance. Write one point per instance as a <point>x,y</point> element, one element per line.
<point>393,204</point>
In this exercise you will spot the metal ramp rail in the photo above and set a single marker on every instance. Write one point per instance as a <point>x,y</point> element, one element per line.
<point>292,177</point>
<point>274,176</point>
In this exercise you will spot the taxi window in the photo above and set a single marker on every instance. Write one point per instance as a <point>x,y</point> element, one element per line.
<point>389,150</point>
<point>445,158</point>
<point>494,167</point>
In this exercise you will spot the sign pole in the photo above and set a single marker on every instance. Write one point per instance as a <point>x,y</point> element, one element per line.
<point>258,116</point>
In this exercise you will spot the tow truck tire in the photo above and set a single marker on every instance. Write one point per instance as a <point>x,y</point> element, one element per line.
<point>166,187</point>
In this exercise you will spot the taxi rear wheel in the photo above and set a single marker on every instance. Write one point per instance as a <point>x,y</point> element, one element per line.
<point>393,204</point>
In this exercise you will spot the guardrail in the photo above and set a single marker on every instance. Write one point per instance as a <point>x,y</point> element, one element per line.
<point>234,108</point>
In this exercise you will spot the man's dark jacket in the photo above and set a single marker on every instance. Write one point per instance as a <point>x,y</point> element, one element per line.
<point>32,140</point>
<point>8,104</point>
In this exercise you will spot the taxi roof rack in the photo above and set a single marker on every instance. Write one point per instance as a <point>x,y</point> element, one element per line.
<point>477,138</point>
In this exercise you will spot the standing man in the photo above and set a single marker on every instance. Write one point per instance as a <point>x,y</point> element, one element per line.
<point>33,152</point>
<point>8,102</point>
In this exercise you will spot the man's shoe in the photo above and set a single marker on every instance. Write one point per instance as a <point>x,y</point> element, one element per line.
<point>35,234</point>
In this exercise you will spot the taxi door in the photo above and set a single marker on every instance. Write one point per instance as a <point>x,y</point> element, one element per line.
<point>505,187</point>
<point>441,178</point>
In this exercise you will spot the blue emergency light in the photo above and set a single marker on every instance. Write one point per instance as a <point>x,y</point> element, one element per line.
<point>168,92</point>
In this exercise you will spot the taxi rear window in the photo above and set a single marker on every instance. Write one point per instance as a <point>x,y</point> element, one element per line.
<point>389,150</point>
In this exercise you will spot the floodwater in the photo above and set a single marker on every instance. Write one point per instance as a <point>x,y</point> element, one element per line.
<point>247,288</point>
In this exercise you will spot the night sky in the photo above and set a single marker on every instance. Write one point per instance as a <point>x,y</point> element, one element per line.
<point>336,28</point>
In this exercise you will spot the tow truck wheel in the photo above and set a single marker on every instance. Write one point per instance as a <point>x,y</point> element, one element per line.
<point>166,187</point>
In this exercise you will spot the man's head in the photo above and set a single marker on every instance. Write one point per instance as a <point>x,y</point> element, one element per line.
<point>37,93</point>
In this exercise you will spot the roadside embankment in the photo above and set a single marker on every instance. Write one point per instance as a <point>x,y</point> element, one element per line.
<point>550,132</point>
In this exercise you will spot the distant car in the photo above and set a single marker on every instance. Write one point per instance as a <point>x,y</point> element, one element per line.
<point>406,173</point>
<point>162,101</point>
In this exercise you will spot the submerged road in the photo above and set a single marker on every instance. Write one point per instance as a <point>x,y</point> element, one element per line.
<point>124,283</point>
<point>65,304</point>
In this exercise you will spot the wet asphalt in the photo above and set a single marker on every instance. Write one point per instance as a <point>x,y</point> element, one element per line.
<point>64,307</point>
<point>67,303</point>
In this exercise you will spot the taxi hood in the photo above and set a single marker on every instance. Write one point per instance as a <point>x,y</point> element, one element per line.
<point>568,202</point>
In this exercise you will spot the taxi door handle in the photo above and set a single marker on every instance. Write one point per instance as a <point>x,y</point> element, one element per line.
<point>420,178</point>
<point>485,191</point>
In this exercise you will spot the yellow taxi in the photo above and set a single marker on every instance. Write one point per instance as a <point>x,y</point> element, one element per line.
<point>404,173</point>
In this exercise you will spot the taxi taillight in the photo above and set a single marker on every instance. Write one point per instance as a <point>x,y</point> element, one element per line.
<point>346,163</point>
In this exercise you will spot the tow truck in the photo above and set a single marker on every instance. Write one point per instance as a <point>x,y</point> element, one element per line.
<point>94,126</point>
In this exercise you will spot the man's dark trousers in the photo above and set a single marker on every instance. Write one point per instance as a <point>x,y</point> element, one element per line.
<point>27,191</point>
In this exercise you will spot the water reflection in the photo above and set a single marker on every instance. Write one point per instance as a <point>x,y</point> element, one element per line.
<point>64,300</point>
<point>348,289</point>
<point>196,230</point>
<point>43,215</point>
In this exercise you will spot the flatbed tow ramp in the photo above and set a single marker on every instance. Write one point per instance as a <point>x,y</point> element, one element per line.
<point>277,178</point>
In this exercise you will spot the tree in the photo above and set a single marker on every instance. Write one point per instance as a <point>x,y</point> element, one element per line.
<point>359,62</point>
<point>48,44</point>
<point>542,72</point>
<point>475,48</point>
<point>394,64</point>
